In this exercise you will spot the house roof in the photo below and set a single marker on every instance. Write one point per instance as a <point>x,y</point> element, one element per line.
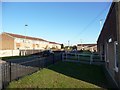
<point>103,31</point>
<point>27,37</point>
<point>89,45</point>
<point>54,43</point>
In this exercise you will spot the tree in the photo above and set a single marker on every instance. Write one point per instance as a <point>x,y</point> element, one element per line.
<point>74,47</point>
<point>62,46</point>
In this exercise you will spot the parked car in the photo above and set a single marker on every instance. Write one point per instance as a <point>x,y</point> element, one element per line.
<point>47,53</point>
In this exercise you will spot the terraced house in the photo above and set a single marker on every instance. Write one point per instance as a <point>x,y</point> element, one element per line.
<point>109,43</point>
<point>11,41</point>
<point>90,47</point>
<point>54,45</point>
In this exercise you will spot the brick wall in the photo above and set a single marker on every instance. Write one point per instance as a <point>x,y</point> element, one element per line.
<point>6,42</point>
<point>118,34</point>
<point>106,41</point>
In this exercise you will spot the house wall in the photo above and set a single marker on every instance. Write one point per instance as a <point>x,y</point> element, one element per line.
<point>6,53</point>
<point>6,42</point>
<point>87,47</point>
<point>25,45</point>
<point>119,40</point>
<point>80,47</point>
<point>52,45</point>
<point>44,45</point>
<point>118,37</point>
<point>28,44</point>
<point>108,31</point>
<point>106,42</point>
<point>57,46</point>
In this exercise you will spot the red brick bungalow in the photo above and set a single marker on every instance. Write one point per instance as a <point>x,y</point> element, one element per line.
<point>108,43</point>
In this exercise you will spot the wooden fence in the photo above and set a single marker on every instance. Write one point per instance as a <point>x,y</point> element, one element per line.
<point>13,71</point>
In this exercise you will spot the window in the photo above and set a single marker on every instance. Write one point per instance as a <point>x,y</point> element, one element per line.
<point>116,55</point>
<point>17,40</point>
<point>17,44</point>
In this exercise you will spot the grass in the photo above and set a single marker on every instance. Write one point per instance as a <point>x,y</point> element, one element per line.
<point>13,57</point>
<point>64,75</point>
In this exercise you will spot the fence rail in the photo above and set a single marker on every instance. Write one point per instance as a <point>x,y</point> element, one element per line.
<point>76,57</point>
<point>13,71</point>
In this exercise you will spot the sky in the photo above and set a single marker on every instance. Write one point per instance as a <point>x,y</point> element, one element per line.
<point>76,22</point>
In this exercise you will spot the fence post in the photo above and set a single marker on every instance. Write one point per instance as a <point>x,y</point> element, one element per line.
<point>66,56</point>
<point>0,75</point>
<point>45,62</point>
<point>75,55</point>
<point>39,63</point>
<point>78,57</point>
<point>62,56</point>
<point>101,57</point>
<point>10,70</point>
<point>91,58</point>
<point>53,58</point>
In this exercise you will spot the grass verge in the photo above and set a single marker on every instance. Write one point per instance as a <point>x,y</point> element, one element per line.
<point>64,75</point>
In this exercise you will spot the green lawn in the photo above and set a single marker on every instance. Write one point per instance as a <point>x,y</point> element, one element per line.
<point>64,75</point>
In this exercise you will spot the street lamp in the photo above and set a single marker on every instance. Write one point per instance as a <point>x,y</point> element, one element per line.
<point>25,37</point>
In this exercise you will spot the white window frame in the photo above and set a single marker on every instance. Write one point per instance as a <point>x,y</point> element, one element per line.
<point>115,44</point>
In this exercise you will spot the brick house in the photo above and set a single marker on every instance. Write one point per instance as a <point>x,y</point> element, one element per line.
<point>11,41</point>
<point>54,45</point>
<point>90,47</point>
<point>108,43</point>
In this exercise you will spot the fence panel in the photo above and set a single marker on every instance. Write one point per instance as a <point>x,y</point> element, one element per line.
<point>5,74</point>
<point>57,57</point>
<point>79,57</point>
<point>13,71</point>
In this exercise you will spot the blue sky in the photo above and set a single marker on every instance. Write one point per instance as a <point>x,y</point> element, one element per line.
<point>57,22</point>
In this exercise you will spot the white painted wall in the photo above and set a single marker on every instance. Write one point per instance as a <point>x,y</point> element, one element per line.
<point>5,53</point>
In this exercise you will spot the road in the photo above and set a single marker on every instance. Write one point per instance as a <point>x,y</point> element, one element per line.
<point>31,58</point>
